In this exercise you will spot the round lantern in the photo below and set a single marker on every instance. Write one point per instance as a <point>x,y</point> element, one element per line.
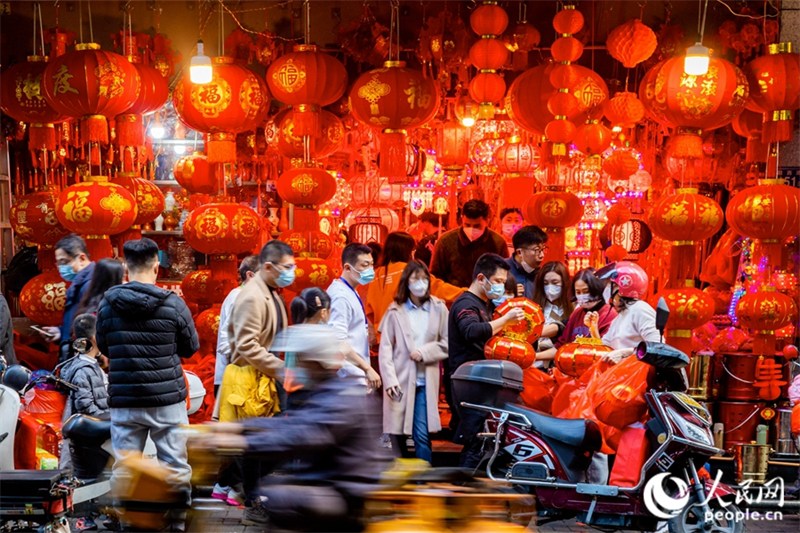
<point>202,288</point>
<point>488,19</point>
<point>306,79</point>
<point>195,174</point>
<point>529,329</point>
<point>488,53</point>
<point>624,110</point>
<point>620,165</point>
<point>394,99</point>
<point>515,158</point>
<point>93,84</point>
<point>33,217</point>
<point>689,308</point>
<point>149,198</point>
<point>42,299</point>
<point>515,350</point>
<point>631,43</point>
<point>575,358</point>
<point>313,272</point>
<point>306,186</point>
<point>308,243</point>
<point>554,209</point>
<point>487,88</point>
<point>693,103</point>
<point>763,312</point>
<point>153,94</point>
<point>375,216</point>
<point>633,235</point>
<point>290,143</point>
<point>528,95</point>
<point>685,216</point>
<point>96,208</point>
<point>525,37</point>
<point>568,21</point>
<point>234,101</point>
<point>222,228</point>
<point>775,90</point>
<point>22,98</point>
<point>592,138</point>
<point>207,325</point>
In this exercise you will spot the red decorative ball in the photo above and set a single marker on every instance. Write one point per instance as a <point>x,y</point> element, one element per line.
<point>488,53</point>
<point>222,228</point>
<point>306,186</point>
<point>505,348</point>
<point>195,174</point>
<point>631,43</point>
<point>620,165</point>
<point>566,49</point>
<point>488,19</point>
<point>560,131</point>
<point>487,87</point>
<point>554,209</point>
<point>568,21</point>
<point>564,104</point>
<point>685,216</point>
<point>592,138</point>
<point>624,110</point>
<point>33,217</point>
<point>42,299</point>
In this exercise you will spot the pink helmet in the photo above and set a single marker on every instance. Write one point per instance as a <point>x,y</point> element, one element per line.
<point>631,279</point>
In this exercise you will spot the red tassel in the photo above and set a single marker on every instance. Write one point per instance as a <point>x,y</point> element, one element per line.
<point>42,137</point>
<point>757,151</point>
<point>306,219</point>
<point>393,155</point>
<point>555,245</point>
<point>682,264</point>
<point>130,130</point>
<point>94,128</point>
<point>306,120</point>
<point>687,145</point>
<point>98,246</point>
<point>46,258</point>
<point>778,130</point>
<point>221,148</point>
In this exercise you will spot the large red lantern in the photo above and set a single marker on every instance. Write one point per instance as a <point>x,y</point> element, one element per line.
<point>306,186</point>
<point>505,348</point>
<point>195,174</point>
<point>93,84</point>
<point>575,358</point>
<point>775,90</point>
<point>291,143</point>
<point>624,110</point>
<point>631,43</point>
<point>313,272</point>
<point>306,79</point>
<point>149,198</point>
<point>42,299</point>
<point>693,104</point>
<point>592,138</point>
<point>96,208</point>
<point>515,158</point>
<point>487,88</point>
<point>529,329</point>
<point>202,288</point>
<point>153,94</point>
<point>553,211</point>
<point>763,312</point>
<point>234,101</point>
<point>311,243</point>
<point>222,228</point>
<point>22,98</point>
<point>689,308</point>
<point>394,99</point>
<point>33,217</point>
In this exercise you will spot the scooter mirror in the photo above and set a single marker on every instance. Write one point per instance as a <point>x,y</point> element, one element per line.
<point>662,315</point>
<point>661,355</point>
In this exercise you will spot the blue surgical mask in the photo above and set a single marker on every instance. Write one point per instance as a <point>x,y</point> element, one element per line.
<point>499,301</point>
<point>285,277</point>
<point>496,290</point>
<point>366,276</point>
<point>66,272</point>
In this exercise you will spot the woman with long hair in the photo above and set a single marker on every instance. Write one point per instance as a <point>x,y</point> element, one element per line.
<point>413,343</point>
<point>551,291</point>
<point>107,273</point>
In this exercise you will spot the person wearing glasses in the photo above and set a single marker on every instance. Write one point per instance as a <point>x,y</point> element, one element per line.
<point>530,245</point>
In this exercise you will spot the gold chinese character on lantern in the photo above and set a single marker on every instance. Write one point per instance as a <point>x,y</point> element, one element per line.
<point>291,77</point>
<point>304,184</point>
<point>62,77</point>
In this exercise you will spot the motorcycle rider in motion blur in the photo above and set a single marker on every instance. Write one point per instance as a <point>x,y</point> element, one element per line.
<point>327,448</point>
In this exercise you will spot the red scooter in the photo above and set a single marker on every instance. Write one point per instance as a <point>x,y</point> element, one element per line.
<point>549,456</point>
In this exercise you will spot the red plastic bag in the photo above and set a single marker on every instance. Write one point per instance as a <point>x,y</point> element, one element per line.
<point>25,442</point>
<point>46,405</point>
<point>632,452</point>
<point>618,398</point>
<point>538,391</point>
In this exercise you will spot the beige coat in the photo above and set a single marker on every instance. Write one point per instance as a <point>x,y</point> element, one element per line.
<point>253,326</point>
<point>398,369</point>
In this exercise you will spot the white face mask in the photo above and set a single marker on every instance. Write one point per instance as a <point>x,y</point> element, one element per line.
<point>607,294</point>
<point>418,288</point>
<point>509,229</point>
<point>552,292</point>
<point>473,233</point>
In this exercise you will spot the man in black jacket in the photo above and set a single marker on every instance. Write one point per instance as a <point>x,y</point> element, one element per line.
<point>145,331</point>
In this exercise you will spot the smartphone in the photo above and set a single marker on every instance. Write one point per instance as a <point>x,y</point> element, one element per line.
<point>39,330</point>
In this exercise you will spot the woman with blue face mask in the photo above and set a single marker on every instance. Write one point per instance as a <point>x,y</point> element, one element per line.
<point>551,291</point>
<point>413,342</point>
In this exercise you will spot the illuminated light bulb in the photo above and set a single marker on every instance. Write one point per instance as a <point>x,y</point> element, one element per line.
<point>468,122</point>
<point>696,61</point>
<point>157,131</point>
<point>179,149</point>
<point>200,71</point>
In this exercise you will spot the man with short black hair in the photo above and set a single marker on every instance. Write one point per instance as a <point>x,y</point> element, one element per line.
<point>469,327</point>
<point>457,250</point>
<point>75,267</point>
<point>530,246</point>
<point>145,331</point>
<point>430,225</point>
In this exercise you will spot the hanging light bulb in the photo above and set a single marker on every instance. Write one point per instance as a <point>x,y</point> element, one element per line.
<point>697,59</point>
<point>200,67</point>
<point>157,130</point>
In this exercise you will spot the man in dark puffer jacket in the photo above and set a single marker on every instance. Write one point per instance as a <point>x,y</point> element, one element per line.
<point>144,331</point>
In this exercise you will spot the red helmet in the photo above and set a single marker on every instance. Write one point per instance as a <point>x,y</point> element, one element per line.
<point>630,278</point>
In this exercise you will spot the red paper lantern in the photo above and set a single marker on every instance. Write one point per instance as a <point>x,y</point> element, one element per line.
<point>568,21</point>
<point>624,110</point>
<point>309,243</point>
<point>620,165</point>
<point>515,158</point>
<point>153,94</point>
<point>592,138</point>
<point>33,217</point>
<point>576,357</point>
<point>92,84</point>
<point>764,312</point>
<point>631,43</point>
<point>564,104</point>
<point>306,186</point>
<point>488,53</point>
<point>202,288</point>
<point>560,131</point>
<point>488,19</point>
<point>566,49</point>
<point>222,228</point>
<point>290,143</point>
<point>633,235</point>
<point>453,146</point>
<point>306,79</point>
<point>685,216</point>
<point>149,198</point>
<point>525,37</point>
<point>618,214</point>
<point>554,209</point>
<point>775,90</point>
<point>394,99</point>
<point>505,348</point>
<point>207,326</point>
<point>768,211</point>
<point>22,98</point>
<point>313,272</point>
<point>529,329</point>
<point>234,101</point>
<point>488,89</point>
<point>96,208</point>
<point>195,174</point>
<point>689,308</point>
<point>42,299</point>
<point>693,103</point>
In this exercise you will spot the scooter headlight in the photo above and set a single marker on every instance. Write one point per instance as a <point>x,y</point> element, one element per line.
<point>690,430</point>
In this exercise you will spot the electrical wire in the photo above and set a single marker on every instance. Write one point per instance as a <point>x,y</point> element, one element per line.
<point>742,15</point>
<point>253,32</point>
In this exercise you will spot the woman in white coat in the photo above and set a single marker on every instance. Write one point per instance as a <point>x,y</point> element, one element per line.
<point>413,342</point>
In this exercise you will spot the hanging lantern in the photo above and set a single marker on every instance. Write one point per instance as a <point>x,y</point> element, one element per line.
<point>524,37</point>
<point>488,19</point>
<point>313,272</point>
<point>394,99</point>
<point>22,98</point>
<point>149,199</point>
<point>372,223</point>
<point>309,243</point>
<point>575,358</point>
<point>689,308</point>
<point>749,125</point>
<point>453,146</point>
<point>290,143</point>
<point>633,235</point>
<point>763,312</point>
<point>234,101</point>
<point>96,208</point>
<point>415,160</point>
<point>488,53</point>
<point>201,288</point>
<point>153,94</point>
<point>92,84</point>
<point>33,217</point>
<point>553,211</point>
<point>195,174</point>
<point>306,186</point>
<point>222,228</point>
<point>515,158</point>
<point>207,325</point>
<point>43,297</point>
<point>620,165</point>
<point>624,110</point>
<point>592,138</point>
<point>307,80</point>
<point>488,89</point>
<point>503,348</point>
<point>631,43</point>
<point>693,104</point>
<point>775,90</point>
